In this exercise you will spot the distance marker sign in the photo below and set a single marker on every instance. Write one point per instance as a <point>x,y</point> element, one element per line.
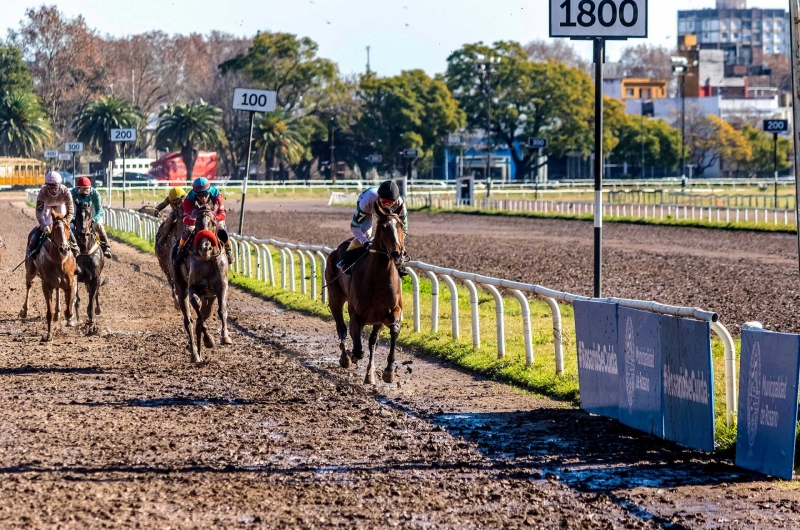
<point>51,153</point>
<point>776,126</point>
<point>73,147</point>
<point>123,135</point>
<point>609,19</point>
<point>254,100</point>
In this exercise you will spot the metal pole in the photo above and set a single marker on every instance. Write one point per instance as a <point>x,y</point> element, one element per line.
<point>488,85</point>
<point>124,180</point>
<point>73,166</point>
<point>794,19</point>
<point>333,157</point>
<point>599,52</point>
<point>683,123</point>
<point>642,132</point>
<point>246,172</point>
<point>775,165</point>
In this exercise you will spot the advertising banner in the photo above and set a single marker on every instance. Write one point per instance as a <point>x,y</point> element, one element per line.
<point>596,331</point>
<point>688,382</point>
<point>640,370</point>
<point>768,380</point>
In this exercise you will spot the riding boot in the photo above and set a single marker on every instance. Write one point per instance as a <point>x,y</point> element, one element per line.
<point>180,253</point>
<point>101,231</point>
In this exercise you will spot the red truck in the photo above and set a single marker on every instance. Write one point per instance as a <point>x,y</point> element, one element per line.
<point>170,167</point>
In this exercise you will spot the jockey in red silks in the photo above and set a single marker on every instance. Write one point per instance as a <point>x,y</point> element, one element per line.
<point>202,194</point>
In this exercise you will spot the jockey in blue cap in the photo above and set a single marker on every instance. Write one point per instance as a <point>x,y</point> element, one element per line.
<point>202,193</point>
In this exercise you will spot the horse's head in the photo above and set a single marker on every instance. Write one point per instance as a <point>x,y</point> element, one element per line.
<point>83,220</point>
<point>206,219</point>
<point>60,233</point>
<point>390,236</point>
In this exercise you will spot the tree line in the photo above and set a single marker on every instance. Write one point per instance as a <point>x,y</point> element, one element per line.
<point>60,80</point>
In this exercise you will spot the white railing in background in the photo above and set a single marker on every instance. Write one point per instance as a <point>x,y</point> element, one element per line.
<point>711,214</point>
<point>249,251</point>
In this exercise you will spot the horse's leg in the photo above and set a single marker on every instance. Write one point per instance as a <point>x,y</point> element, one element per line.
<point>369,379</point>
<point>388,372</point>
<point>200,326</point>
<point>48,298</point>
<point>222,302</point>
<point>187,325</point>
<point>208,305</point>
<point>356,327</point>
<point>93,288</point>
<point>70,289</point>
<point>336,300</point>
<point>97,308</point>
<point>28,283</point>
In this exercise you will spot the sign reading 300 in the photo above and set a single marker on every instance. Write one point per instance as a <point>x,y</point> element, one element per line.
<point>611,19</point>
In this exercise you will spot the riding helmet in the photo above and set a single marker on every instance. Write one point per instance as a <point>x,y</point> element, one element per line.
<point>53,177</point>
<point>176,193</point>
<point>201,184</point>
<point>388,190</point>
<point>83,182</point>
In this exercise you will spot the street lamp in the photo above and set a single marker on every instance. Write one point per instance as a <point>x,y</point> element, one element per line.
<point>680,67</point>
<point>485,71</point>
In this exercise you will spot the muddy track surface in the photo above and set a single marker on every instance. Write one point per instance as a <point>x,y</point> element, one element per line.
<point>117,429</point>
<point>741,275</point>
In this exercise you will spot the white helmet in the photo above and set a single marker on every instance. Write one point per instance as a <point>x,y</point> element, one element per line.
<point>53,177</point>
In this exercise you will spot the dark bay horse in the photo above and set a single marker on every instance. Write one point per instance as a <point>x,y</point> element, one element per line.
<point>91,260</point>
<point>55,265</point>
<point>164,246</point>
<point>373,294</point>
<point>200,279</point>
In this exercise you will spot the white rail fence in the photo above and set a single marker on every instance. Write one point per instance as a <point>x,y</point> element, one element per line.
<point>710,214</point>
<point>254,259</point>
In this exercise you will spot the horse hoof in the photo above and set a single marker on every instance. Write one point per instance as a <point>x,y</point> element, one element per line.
<point>71,323</point>
<point>196,359</point>
<point>344,361</point>
<point>388,376</point>
<point>358,355</point>
<point>47,338</point>
<point>23,313</point>
<point>226,340</point>
<point>208,341</point>
<point>97,310</point>
<point>369,379</point>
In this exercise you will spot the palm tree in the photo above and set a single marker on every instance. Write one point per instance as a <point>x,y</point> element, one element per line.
<point>24,126</point>
<point>96,119</point>
<point>277,135</point>
<point>189,127</point>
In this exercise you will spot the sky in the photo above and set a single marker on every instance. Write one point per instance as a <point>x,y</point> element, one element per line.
<point>402,34</point>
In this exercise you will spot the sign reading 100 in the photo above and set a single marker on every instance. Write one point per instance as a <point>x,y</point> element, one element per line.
<point>254,100</point>
<point>613,19</point>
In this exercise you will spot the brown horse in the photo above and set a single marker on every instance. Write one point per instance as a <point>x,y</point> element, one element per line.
<point>373,294</point>
<point>91,260</point>
<point>164,246</point>
<point>55,265</point>
<point>200,279</point>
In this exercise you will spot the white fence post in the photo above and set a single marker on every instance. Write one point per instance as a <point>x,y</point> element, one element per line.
<point>474,310</point>
<point>526,324</point>
<point>451,285</point>
<point>434,301</point>
<point>499,311</point>
<point>415,297</point>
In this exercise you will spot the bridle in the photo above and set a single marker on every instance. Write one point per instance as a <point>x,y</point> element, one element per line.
<point>59,223</point>
<point>86,229</point>
<point>383,220</point>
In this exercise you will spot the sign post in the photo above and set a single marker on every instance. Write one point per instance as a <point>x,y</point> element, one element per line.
<point>409,155</point>
<point>122,136</point>
<point>794,37</point>
<point>252,101</point>
<point>455,140</point>
<point>73,147</point>
<point>598,21</point>
<point>776,127</point>
<point>538,144</point>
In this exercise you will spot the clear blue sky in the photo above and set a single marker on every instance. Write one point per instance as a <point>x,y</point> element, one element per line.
<point>403,34</point>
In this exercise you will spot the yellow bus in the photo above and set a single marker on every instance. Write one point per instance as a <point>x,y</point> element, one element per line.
<point>21,172</point>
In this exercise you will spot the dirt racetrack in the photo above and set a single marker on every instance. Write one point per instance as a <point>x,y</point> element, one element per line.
<point>117,429</point>
<point>743,276</point>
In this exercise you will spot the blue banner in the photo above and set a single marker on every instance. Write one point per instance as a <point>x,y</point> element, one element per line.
<point>596,333</point>
<point>688,382</point>
<point>640,371</point>
<point>768,380</point>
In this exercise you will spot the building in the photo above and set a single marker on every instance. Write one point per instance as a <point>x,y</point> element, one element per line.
<point>745,35</point>
<point>635,88</point>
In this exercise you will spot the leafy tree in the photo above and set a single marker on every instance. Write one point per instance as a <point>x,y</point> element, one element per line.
<point>24,126</point>
<point>95,120</point>
<point>710,139</point>
<point>14,75</point>
<point>189,127</point>
<point>762,148</point>
<point>662,143</point>
<point>279,136</point>
<point>409,110</point>
<point>522,98</point>
<point>286,64</point>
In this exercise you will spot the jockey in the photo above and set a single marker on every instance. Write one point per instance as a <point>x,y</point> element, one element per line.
<point>52,195</point>
<point>202,193</point>
<point>83,192</point>
<point>388,194</point>
<point>175,200</point>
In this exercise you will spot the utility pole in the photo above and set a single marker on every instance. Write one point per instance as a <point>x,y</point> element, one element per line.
<point>333,158</point>
<point>368,68</point>
<point>642,131</point>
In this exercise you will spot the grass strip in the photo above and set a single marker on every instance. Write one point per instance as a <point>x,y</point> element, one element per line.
<point>741,225</point>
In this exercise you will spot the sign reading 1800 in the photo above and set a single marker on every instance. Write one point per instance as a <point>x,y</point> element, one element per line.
<point>611,19</point>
